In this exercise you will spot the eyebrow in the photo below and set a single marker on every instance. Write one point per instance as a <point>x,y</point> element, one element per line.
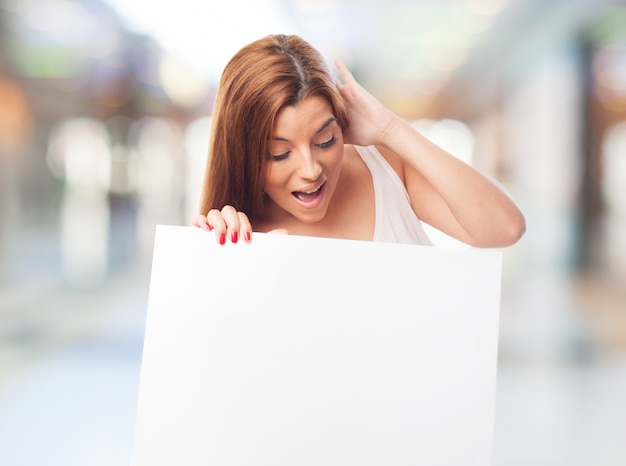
<point>321,128</point>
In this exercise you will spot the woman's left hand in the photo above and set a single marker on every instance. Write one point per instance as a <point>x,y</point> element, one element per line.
<point>370,120</point>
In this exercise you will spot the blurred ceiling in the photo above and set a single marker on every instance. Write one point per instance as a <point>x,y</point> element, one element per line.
<point>431,41</point>
<point>387,43</point>
<point>404,51</point>
<point>398,39</point>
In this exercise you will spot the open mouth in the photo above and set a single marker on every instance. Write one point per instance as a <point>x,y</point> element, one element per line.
<point>309,198</point>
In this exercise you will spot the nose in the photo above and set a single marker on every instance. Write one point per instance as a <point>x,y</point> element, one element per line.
<point>309,169</point>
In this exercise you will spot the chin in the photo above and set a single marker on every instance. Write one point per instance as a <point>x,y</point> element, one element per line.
<point>311,217</point>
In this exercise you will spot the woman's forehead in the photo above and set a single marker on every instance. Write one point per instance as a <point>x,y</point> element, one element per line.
<point>314,113</point>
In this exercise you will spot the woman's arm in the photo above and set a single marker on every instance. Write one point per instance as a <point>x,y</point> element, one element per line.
<point>445,192</point>
<point>451,195</point>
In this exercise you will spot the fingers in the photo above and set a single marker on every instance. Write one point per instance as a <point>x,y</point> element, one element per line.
<point>344,72</point>
<point>245,228</point>
<point>228,225</point>
<point>224,222</point>
<point>350,88</point>
<point>200,221</point>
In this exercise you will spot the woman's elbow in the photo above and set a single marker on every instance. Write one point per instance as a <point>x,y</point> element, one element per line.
<point>517,230</point>
<point>504,234</point>
<point>512,231</point>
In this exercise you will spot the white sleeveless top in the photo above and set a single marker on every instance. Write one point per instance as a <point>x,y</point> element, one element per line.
<point>396,221</point>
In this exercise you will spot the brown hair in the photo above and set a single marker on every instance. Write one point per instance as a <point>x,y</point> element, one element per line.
<point>260,79</point>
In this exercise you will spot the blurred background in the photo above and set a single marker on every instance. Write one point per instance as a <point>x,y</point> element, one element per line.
<point>104,114</point>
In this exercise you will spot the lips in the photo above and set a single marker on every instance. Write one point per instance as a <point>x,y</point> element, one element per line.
<point>310,198</point>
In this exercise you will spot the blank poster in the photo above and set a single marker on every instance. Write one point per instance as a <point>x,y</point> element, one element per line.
<point>294,351</point>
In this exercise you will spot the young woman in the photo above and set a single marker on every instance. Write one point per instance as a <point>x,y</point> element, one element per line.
<point>293,151</point>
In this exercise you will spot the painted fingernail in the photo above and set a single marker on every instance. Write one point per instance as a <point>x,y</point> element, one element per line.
<point>223,238</point>
<point>208,225</point>
<point>234,237</point>
<point>248,236</point>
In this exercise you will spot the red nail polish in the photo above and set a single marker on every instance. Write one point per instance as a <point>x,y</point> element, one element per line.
<point>223,238</point>
<point>208,225</point>
<point>234,237</point>
<point>248,236</point>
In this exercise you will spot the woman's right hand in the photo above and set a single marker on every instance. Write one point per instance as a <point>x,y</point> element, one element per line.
<point>227,224</point>
<point>370,120</point>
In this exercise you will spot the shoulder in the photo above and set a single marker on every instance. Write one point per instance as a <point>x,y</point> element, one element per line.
<point>352,163</point>
<point>394,160</point>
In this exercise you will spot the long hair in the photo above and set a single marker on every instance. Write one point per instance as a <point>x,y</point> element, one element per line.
<point>259,80</point>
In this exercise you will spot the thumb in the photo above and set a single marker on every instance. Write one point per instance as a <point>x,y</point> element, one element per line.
<point>279,231</point>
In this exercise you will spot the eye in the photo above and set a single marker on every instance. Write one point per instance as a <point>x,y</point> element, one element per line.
<point>330,142</point>
<point>279,157</point>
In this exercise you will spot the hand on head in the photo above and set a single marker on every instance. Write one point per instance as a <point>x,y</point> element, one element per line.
<point>369,119</point>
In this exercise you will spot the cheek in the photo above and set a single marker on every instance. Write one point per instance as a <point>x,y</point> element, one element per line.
<point>272,178</point>
<point>336,157</point>
<point>264,178</point>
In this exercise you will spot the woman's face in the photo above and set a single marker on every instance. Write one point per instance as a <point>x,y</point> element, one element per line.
<point>304,160</point>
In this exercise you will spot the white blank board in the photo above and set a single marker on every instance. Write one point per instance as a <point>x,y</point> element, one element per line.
<point>294,351</point>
